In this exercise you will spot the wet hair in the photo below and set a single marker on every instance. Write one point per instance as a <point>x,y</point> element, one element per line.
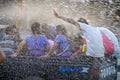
<point>8,29</point>
<point>78,39</point>
<point>14,26</point>
<point>62,29</point>
<point>82,20</point>
<point>44,27</point>
<point>35,28</point>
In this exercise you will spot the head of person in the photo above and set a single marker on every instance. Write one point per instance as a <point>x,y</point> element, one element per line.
<point>82,20</point>
<point>9,30</point>
<point>52,28</point>
<point>14,29</point>
<point>60,29</point>
<point>35,28</point>
<point>45,28</point>
<point>77,42</point>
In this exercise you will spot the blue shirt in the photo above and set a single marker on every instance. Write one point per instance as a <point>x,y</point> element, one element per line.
<point>36,45</point>
<point>63,43</point>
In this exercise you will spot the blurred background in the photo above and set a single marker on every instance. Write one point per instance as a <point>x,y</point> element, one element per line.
<point>102,13</point>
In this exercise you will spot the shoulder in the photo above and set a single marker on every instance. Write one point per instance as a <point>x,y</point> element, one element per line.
<point>42,36</point>
<point>59,36</point>
<point>29,37</point>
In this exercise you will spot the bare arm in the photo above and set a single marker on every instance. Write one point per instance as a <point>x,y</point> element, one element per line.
<point>69,20</point>
<point>2,56</point>
<point>50,52</point>
<point>53,48</point>
<point>18,49</point>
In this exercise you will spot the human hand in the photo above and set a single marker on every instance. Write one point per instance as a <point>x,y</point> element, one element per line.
<point>13,55</point>
<point>73,55</point>
<point>44,57</point>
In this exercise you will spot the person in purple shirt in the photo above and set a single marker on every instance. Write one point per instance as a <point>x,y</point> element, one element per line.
<point>37,44</point>
<point>61,46</point>
<point>48,31</point>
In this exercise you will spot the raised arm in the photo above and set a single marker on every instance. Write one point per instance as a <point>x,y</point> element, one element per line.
<point>18,49</point>
<point>69,20</point>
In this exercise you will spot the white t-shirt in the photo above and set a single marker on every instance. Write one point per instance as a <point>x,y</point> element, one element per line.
<point>113,38</point>
<point>95,47</point>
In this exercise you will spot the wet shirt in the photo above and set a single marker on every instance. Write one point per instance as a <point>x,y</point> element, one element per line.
<point>8,44</point>
<point>95,47</point>
<point>63,43</point>
<point>36,45</point>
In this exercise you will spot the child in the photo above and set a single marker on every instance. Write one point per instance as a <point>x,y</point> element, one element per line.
<point>61,44</point>
<point>79,45</point>
<point>37,44</point>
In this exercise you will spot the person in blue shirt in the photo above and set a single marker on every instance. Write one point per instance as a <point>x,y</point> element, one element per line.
<point>37,44</point>
<point>61,47</point>
<point>48,31</point>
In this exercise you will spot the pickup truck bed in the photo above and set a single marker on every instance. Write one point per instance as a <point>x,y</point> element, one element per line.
<point>54,68</point>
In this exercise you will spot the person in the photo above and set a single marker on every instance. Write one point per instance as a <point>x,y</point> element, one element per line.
<point>46,30</point>
<point>92,35</point>
<point>2,56</point>
<point>52,30</point>
<point>16,33</point>
<point>62,47</point>
<point>79,45</point>
<point>37,44</point>
<point>8,43</point>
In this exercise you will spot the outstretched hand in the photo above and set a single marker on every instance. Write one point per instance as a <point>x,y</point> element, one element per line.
<point>55,13</point>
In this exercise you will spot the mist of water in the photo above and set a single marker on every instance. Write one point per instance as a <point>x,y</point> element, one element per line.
<point>29,11</point>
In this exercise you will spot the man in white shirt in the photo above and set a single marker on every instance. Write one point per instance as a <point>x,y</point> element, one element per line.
<point>95,47</point>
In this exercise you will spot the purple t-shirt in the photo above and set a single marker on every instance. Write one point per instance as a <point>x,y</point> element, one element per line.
<point>63,43</point>
<point>36,46</point>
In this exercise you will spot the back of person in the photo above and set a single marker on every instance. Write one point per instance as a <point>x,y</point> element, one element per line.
<point>36,45</point>
<point>46,30</point>
<point>64,47</point>
<point>52,31</point>
<point>93,39</point>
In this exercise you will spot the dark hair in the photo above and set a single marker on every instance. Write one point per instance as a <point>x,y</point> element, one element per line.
<point>14,26</point>
<point>8,29</point>
<point>44,27</point>
<point>78,39</point>
<point>35,28</point>
<point>62,29</point>
<point>82,20</point>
